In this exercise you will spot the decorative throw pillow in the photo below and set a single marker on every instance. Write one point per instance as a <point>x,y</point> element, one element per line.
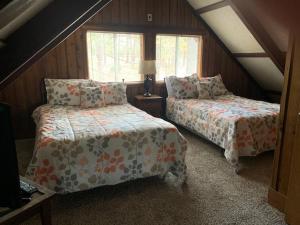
<point>204,90</point>
<point>193,78</point>
<point>114,93</point>
<point>64,91</point>
<point>183,88</point>
<point>217,86</point>
<point>91,97</point>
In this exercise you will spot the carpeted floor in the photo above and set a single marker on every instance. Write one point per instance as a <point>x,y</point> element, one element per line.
<point>213,194</point>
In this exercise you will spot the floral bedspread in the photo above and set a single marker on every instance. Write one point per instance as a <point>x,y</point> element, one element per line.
<point>241,126</point>
<point>78,149</point>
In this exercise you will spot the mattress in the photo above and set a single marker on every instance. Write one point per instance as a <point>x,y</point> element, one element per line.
<point>241,126</point>
<point>78,149</point>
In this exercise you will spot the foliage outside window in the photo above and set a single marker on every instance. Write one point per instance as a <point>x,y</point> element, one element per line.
<point>113,57</point>
<point>177,55</point>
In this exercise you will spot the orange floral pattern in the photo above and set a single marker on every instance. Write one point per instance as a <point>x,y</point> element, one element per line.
<point>241,126</point>
<point>64,91</point>
<point>91,97</point>
<point>114,92</point>
<point>82,148</point>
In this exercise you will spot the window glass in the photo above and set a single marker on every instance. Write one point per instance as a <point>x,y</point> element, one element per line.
<point>177,55</point>
<point>114,56</point>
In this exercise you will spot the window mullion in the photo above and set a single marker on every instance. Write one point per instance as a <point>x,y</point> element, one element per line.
<point>115,56</point>
<point>91,60</point>
<point>176,57</point>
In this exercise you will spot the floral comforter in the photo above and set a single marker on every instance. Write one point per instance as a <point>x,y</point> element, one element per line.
<point>78,149</point>
<point>241,126</point>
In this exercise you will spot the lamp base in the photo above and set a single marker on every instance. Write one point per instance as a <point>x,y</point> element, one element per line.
<point>147,86</point>
<point>147,94</point>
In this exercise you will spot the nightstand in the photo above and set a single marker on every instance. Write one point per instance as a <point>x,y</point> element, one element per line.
<point>151,105</point>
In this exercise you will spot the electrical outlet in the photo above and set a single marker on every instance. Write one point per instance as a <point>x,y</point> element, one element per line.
<point>149,17</point>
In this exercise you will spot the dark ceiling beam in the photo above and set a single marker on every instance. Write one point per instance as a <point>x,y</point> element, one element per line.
<point>214,6</point>
<point>251,55</point>
<point>259,33</point>
<point>42,33</point>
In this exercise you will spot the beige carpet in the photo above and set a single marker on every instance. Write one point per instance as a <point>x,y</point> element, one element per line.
<point>213,194</point>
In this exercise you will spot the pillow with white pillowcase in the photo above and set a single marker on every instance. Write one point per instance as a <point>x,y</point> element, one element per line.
<point>64,91</point>
<point>193,80</point>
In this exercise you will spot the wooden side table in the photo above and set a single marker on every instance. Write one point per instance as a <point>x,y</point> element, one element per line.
<point>151,105</point>
<point>40,203</point>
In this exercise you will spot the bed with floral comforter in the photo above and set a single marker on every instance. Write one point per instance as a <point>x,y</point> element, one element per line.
<point>78,149</point>
<point>241,126</point>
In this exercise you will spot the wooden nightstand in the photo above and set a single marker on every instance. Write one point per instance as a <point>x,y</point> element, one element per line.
<point>151,105</point>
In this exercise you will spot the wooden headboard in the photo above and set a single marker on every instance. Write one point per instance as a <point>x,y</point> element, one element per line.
<point>43,91</point>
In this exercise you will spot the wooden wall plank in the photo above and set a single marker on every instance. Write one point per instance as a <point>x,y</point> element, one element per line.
<point>115,12</point>
<point>62,64</point>
<point>173,12</point>
<point>142,15</point>
<point>124,14</point>
<point>71,56</point>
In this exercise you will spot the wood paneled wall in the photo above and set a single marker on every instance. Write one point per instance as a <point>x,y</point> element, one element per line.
<point>68,59</point>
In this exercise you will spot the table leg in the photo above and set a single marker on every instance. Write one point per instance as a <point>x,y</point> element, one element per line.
<point>46,213</point>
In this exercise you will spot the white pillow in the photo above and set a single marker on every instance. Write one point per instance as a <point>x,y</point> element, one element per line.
<point>168,81</point>
<point>64,91</point>
<point>183,88</point>
<point>193,79</point>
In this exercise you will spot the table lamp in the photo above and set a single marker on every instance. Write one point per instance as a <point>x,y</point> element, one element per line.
<point>147,67</point>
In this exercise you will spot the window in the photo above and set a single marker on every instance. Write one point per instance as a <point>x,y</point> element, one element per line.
<point>114,56</point>
<point>177,55</point>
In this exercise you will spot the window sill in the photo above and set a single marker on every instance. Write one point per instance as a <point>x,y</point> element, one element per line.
<point>133,83</point>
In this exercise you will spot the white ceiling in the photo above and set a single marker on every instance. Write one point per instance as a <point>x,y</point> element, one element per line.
<point>232,31</point>
<point>265,72</point>
<point>228,26</point>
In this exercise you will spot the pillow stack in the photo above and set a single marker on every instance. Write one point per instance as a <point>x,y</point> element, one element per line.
<point>192,87</point>
<point>84,93</point>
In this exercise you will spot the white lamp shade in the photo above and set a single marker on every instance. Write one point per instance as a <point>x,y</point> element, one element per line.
<point>148,67</point>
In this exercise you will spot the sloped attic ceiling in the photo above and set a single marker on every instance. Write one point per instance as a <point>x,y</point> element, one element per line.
<point>17,12</point>
<point>45,25</point>
<point>226,22</point>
